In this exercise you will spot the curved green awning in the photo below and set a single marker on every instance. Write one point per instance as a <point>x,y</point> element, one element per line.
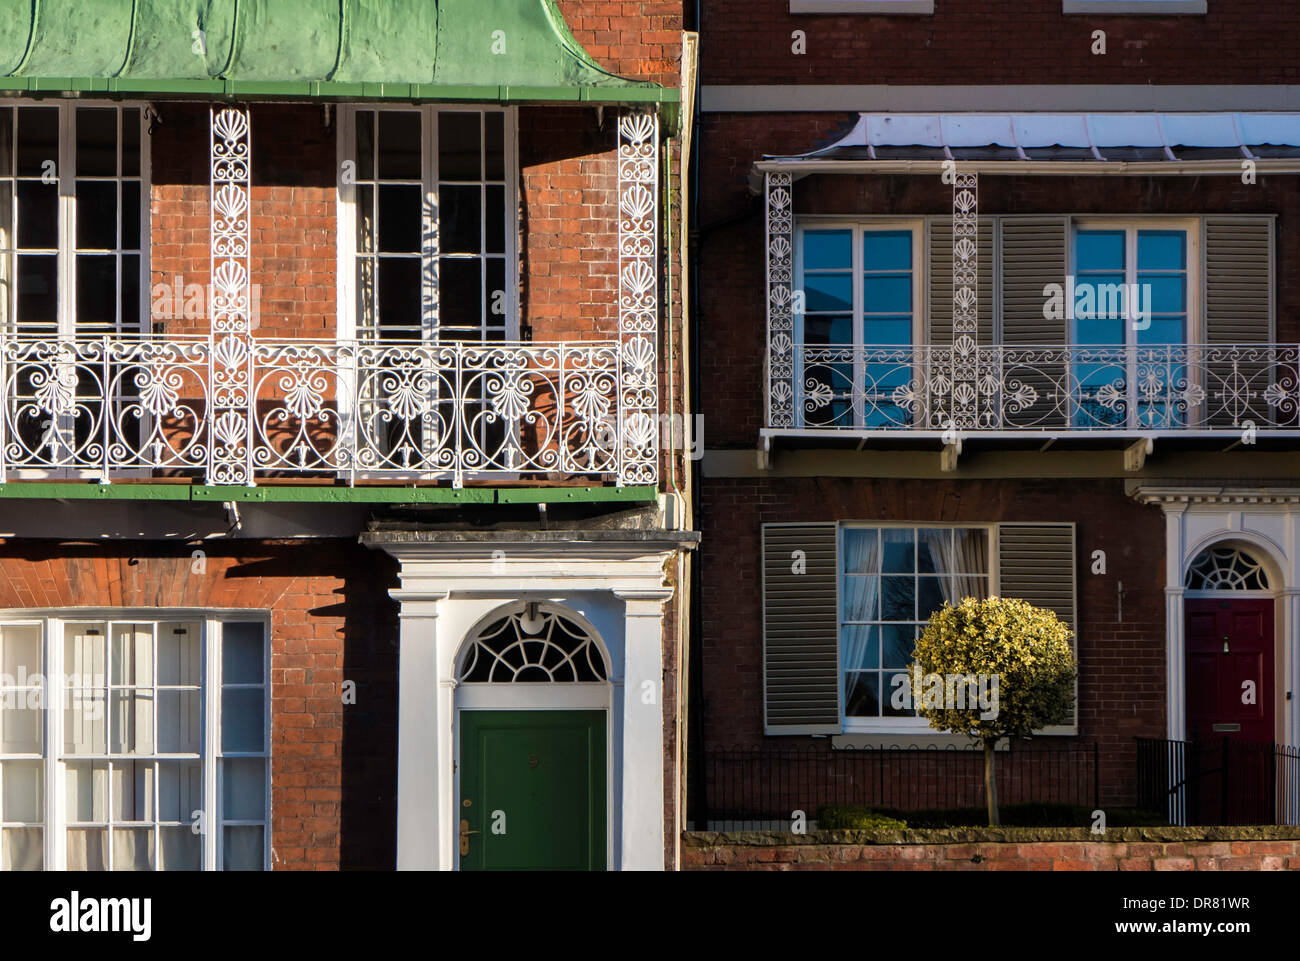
<point>492,50</point>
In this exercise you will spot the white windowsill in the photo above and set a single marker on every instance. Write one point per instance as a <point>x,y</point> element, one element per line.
<point>862,6</point>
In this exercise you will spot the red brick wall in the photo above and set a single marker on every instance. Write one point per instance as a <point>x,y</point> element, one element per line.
<point>1193,854</point>
<point>1122,673</point>
<point>634,38</point>
<point>333,767</point>
<point>993,42</point>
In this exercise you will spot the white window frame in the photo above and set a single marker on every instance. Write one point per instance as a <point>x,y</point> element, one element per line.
<point>1192,228</point>
<point>53,622</point>
<point>896,725</point>
<point>67,213</point>
<point>920,269</point>
<point>346,212</point>
<point>862,6</point>
<point>1156,8</point>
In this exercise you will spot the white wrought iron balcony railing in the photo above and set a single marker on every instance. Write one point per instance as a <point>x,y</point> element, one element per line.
<point>1182,388</point>
<point>120,407</point>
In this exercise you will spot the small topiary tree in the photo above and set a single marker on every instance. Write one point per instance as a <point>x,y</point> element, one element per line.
<point>991,669</point>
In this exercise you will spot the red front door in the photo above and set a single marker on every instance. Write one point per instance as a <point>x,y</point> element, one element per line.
<point>1229,764</point>
<point>1230,669</point>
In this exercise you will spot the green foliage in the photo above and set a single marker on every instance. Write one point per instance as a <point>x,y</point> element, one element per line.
<point>1026,648</point>
<point>854,817</point>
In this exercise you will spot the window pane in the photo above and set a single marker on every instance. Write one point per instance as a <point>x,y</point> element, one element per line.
<point>1099,250</point>
<point>96,291</point>
<point>178,722</point>
<point>20,723</point>
<point>132,654</point>
<point>860,551</point>
<point>862,694</point>
<point>896,644</point>
<point>887,331</point>
<point>38,215</point>
<point>129,290</point>
<point>132,790</point>
<point>87,849</point>
<point>96,215</point>
<point>365,147</point>
<point>898,598</point>
<point>886,294</point>
<point>38,141</point>
<point>86,787</point>
<point>241,849</point>
<point>399,145</point>
<point>241,652</point>
<point>494,136</point>
<point>459,220</point>
<point>887,250</point>
<point>84,649</point>
<point>133,849</point>
<point>828,291</point>
<point>21,849</point>
<point>828,330</point>
<point>460,294</point>
<point>1162,293</point>
<point>130,142</point>
<point>495,228</point>
<point>96,142</point>
<point>860,597</point>
<point>180,790</point>
<point>458,145</point>
<point>399,293</point>
<point>83,723</point>
<point>20,652</point>
<point>24,795</point>
<point>899,546</point>
<point>243,789</point>
<point>399,218</point>
<point>860,648</point>
<point>242,719</point>
<point>897,689</point>
<point>131,215</point>
<point>1162,249</point>
<point>827,249</point>
<point>182,849</point>
<point>178,654</point>
<point>931,592</point>
<point>131,721</point>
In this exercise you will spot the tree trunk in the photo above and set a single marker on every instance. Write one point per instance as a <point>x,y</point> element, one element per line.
<point>991,784</point>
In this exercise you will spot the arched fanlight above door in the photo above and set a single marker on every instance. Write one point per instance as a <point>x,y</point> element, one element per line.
<point>534,643</point>
<point>1225,569</point>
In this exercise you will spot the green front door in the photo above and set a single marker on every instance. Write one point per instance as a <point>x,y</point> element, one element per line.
<point>532,790</point>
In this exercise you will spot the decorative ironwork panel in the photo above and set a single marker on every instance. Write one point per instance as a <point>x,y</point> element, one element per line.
<point>230,453</point>
<point>1229,388</point>
<point>638,297</point>
<point>956,400</point>
<point>780,300</point>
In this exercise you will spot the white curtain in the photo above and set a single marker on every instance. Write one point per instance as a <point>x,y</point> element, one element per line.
<point>861,554</point>
<point>961,556</point>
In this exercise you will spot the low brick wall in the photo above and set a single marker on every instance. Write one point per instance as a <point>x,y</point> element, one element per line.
<point>998,849</point>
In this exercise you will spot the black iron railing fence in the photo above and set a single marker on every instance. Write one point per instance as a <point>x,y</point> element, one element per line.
<point>1219,782</point>
<point>770,784</point>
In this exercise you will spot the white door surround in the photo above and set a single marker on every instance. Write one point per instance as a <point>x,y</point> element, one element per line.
<point>450,582</point>
<point>1266,523</point>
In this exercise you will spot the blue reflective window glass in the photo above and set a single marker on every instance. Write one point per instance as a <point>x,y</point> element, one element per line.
<point>1099,250</point>
<point>887,250</point>
<point>887,294</point>
<point>1162,293</point>
<point>828,249</point>
<point>828,292</point>
<point>1162,250</point>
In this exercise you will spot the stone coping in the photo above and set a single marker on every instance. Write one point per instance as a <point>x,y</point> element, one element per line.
<point>1010,835</point>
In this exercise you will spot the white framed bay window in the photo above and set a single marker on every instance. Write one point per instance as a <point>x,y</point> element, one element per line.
<point>134,740</point>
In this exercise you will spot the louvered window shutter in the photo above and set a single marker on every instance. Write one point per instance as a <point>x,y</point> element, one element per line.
<point>1036,563</point>
<point>801,667</point>
<point>1238,305</point>
<point>1033,255</point>
<point>940,282</point>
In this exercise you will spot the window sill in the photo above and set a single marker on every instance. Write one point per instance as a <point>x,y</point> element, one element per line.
<point>915,7</point>
<point>1136,8</point>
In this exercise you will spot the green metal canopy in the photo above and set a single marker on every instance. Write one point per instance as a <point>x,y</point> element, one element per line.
<point>487,50</point>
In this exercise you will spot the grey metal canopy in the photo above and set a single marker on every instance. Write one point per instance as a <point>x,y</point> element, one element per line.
<point>1201,142</point>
